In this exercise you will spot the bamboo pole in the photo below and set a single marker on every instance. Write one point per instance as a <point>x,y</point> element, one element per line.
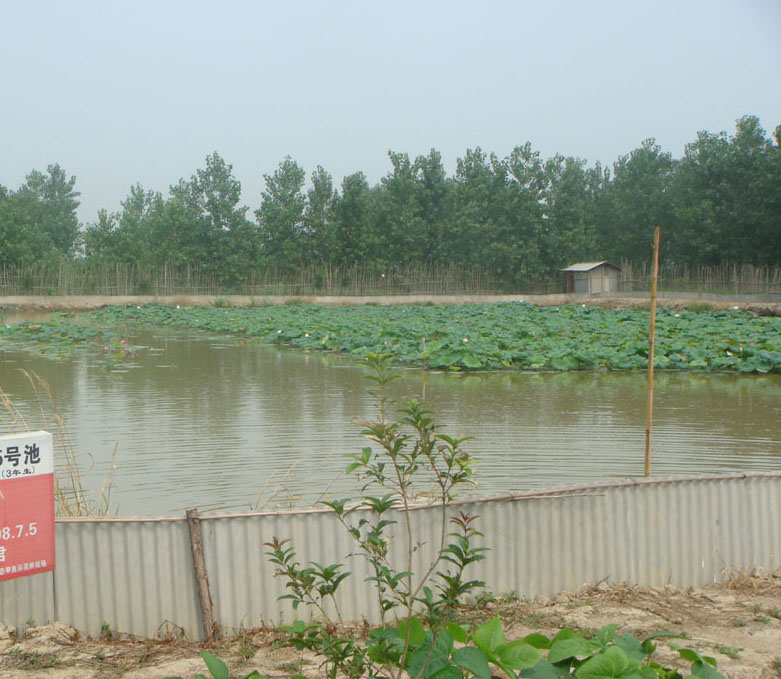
<point>210,628</point>
<point>651,340</point>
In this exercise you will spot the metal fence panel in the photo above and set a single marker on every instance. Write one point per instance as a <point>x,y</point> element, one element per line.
<point>247,593</point>
<point>132,575</point>
<point>681,532</point>
<point>135,575</point>
<point>27,600</point>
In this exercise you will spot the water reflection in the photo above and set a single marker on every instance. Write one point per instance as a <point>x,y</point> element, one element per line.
<point>226,425</point>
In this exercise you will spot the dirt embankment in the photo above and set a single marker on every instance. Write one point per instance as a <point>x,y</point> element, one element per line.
<point>739,624</point>
<point>82,303</point>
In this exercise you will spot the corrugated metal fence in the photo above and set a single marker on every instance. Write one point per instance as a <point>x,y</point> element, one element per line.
<point>137,575</point>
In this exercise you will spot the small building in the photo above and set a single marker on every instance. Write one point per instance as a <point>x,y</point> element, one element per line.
<point>592,278</point>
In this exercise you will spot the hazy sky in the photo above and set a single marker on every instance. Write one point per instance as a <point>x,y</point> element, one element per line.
<point>126,92</point>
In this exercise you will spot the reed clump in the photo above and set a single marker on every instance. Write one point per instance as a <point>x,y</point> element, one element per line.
<point>71,496</point>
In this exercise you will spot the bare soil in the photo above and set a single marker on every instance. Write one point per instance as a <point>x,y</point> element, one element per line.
<point>738,623</point>
<point>83,303</point>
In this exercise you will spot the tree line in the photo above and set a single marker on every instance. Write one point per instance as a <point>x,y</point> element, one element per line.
<point>720,202</point>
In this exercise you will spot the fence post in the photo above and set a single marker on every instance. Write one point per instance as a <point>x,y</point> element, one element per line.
<point>210,627</point>
<point>651,342</point>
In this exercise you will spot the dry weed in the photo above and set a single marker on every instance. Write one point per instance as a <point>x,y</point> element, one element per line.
<point>72,499</point>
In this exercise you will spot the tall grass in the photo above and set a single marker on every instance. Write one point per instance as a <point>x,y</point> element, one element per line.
<point>71,497</point>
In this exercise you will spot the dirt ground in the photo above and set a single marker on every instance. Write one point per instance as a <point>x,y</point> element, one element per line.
<point>82,303</point>
<point>738,623</point>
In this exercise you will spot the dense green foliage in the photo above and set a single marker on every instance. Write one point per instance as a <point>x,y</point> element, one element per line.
<point>38,221</point>
<point>56,335</point>
<point>473,336</point>
<point>608,654</point>
<point>509,217</point>
<point>495,336</point>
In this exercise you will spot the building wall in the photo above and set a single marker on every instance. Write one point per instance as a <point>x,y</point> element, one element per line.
<point>603,279</point>
<point>582,282</point>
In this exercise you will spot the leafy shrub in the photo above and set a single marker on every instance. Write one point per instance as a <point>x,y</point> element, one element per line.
<point>426,639</point>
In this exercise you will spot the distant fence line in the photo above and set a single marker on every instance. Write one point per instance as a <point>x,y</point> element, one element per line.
<point>725,279</point>
<point>138,575</point>
<point>96,278</point>
<point>86,277</point>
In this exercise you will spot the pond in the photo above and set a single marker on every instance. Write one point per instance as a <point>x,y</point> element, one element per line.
<point>229,426</point>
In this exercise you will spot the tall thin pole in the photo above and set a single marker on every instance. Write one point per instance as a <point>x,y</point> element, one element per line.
<point>651,339</point>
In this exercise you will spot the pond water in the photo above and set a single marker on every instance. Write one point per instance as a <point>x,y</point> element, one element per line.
<point>222,425</point>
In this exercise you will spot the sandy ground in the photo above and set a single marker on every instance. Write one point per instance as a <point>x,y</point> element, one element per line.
<point>738,623</point>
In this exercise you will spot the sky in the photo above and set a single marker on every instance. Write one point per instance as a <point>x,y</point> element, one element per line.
<point>124,92</point>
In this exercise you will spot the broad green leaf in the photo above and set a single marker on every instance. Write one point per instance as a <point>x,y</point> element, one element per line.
<point>569,648</point>
<point>434,345</point>
<point>489,636</point>
<point>424,663</point>
<point>218,669</point>
<point>630,645</point>
<point>704,671</point>
<point>564,633</point>
<point>443,642</point>
<point>609,664</point>
<point>545,670</point>
<point>449,672</point>
<point>564,363</point>
<point>417,633</point>
<point>688,654</point>
<point>660,360</point>
<point>518,655</point>
<point>458,632</point>
<point>605,635</point>
<point>471,361</point>
<point>537,640</point>
<point>387,632</point>
<point>474,660</point>
<point>641,672</point>
<point>442,359</point>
